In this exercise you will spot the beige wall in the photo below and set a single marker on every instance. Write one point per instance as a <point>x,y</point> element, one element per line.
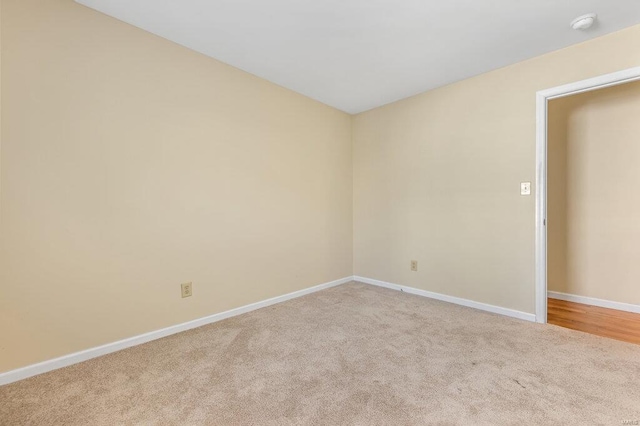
<point>594,202</point>
<point>131,164</point>
<point>436,177</point>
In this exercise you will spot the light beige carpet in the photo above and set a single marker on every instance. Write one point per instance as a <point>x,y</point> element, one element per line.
<point>350,355</point>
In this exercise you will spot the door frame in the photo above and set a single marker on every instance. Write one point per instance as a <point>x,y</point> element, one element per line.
<point>542,99</point>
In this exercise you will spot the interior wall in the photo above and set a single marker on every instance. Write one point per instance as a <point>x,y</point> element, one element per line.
<point>131,165</point>
<point>437,177</point>
<point>593,197</point>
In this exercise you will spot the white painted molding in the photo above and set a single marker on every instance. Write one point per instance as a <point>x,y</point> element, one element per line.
<point>542,99</point>
<point>599,82</point>
<point>540,270</point>
<point>451,299</point>
<point>627,307</point>
<point>74,358</point>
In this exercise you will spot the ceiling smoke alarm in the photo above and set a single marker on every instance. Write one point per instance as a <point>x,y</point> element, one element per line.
<point>583,22</point>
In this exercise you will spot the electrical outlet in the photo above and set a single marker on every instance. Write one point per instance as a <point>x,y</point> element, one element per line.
<point>414,265</point>
<point>187,290</point>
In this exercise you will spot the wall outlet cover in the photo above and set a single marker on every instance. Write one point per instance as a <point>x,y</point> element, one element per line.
<point>187,290</point>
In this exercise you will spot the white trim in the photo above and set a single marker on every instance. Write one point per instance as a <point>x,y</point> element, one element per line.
<point>627,307</point>
<point>451,299</point>
<point>541,209</point>
<point>599,82</point>
<point>542,99</point>
<point>74,358</point>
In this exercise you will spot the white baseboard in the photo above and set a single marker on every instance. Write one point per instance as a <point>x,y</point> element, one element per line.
<point>74,358</point>
<point>594,302</point>
<point>451,299</point>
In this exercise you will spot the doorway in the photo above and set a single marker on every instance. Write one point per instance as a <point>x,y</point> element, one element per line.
<point>581,266</point>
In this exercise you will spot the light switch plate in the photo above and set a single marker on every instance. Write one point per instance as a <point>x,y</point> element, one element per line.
<point>525,188</point>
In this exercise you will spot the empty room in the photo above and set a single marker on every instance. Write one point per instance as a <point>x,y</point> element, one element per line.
<point>319,213</point>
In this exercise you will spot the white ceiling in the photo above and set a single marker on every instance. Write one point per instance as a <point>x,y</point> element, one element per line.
<point>359,54</point>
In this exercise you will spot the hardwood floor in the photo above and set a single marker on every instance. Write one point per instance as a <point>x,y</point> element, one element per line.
<point>604,322</point>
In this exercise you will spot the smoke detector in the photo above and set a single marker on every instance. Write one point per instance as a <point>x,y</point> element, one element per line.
<point>584,22</point>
